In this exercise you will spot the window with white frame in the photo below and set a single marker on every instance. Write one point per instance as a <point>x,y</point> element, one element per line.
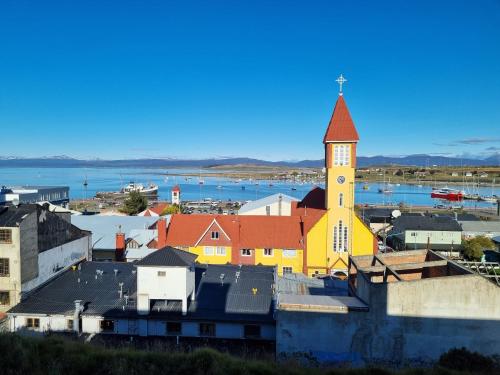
<point>220,250</point>
<point>215,235</point>
<point>33,323</point>
<point>287,270</point>
<point>289,253</point>
<point>208,250</point>
<point>246,252</point>
<point>341,155</point>
<point>268,252</point>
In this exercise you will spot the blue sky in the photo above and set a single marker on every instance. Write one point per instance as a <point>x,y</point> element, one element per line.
<point>133,79</point>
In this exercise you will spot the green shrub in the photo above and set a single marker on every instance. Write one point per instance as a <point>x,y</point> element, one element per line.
<point>464,360</point>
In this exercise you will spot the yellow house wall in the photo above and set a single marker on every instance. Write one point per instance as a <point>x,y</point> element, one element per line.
<point>363,239</point>
<point>317,247</point>
<point>211,259</point>
<point>277,259</point>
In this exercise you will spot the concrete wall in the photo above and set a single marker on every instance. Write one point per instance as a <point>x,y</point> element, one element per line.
<point>54,261</point>
<point>29,247</point>
<point>410,322</point>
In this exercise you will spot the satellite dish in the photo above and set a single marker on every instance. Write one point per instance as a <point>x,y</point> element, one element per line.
<point>396,213</point>
<point>15,202</point>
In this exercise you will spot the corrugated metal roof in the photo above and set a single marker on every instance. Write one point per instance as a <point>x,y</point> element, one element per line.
<point>229,299</point>
<point>169,257</point>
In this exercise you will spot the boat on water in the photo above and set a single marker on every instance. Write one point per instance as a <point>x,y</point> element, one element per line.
<point>150,190</point>
<point>219,187</point>
<point>366,187</point>
<point>293,189</point>
<point>492,199</point>
<point>385,190</point>
<point>448,194</point>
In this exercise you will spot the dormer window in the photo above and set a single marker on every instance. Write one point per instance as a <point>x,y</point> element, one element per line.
<point>215,235</point>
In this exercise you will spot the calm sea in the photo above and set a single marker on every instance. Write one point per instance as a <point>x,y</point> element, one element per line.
<point>111,179</point>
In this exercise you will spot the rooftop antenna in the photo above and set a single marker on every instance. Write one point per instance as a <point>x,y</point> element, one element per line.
<point>221,277</point>
<point>121,290</point>
<point>341,80</point>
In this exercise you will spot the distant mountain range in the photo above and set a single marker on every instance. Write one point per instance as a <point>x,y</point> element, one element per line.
<point>63,161</point>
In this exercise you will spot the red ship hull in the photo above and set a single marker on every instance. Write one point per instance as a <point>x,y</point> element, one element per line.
<point>455,197</point>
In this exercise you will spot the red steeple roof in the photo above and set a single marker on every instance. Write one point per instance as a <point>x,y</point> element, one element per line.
<point>341,127</point>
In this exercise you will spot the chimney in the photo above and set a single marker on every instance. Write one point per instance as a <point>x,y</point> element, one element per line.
<point>120,246</point>
<point>161,226</point>
<point>76,316</point>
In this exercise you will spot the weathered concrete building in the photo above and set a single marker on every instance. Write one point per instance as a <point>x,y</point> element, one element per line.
<point>404,308</point>
<point>35,245</point>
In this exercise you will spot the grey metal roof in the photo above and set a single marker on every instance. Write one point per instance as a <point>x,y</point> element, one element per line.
<point>229,299</point>
<point>11,216</point>
<point>168,256</point>
<point>481,226</point>
<point>104,228</point>
<point>431,223</point>
<point>142,236</point>
<point>300,284</point>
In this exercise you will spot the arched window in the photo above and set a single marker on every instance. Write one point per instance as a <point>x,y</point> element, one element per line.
<point>340,236</point>
<point>335,244</point>
<point>346,247</point>
<point>341,200</point>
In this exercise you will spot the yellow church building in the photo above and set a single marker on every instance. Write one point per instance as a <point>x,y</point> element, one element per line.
<point>314,236</point>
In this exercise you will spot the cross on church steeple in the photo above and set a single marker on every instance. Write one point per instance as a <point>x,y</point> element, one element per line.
<point>341,80</point>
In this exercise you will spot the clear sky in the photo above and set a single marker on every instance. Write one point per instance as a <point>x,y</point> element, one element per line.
<point>134,79</point>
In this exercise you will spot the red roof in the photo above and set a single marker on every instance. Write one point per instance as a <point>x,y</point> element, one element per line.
<point>314,199</point>
<point>244,231</point>
<point>341,127</point>
<point>176,188</point>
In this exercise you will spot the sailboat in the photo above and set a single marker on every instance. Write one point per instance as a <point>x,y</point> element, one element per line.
<point>492,198</point>
<point>385,189</point>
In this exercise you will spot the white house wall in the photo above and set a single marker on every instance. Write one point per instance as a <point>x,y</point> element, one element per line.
<point>58,258</point>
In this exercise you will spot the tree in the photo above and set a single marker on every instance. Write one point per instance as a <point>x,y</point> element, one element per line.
<point>171,209</point>
<point>473,248</point>
<point>135,203</point>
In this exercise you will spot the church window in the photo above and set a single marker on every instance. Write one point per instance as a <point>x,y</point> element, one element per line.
<point>341,200</point>
<point>341,155</point>
<point>335,238</point>
<point>345,239</point>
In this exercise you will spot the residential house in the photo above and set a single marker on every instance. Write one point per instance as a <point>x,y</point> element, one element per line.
<point>164,294</point>
<point>420,231</point>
